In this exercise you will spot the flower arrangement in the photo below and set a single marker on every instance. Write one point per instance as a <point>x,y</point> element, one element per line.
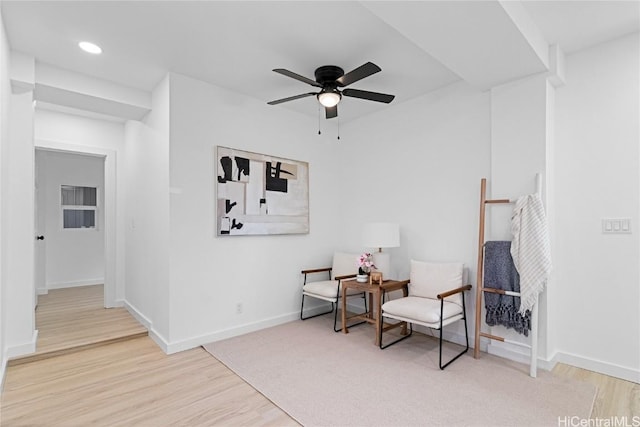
<point>365,263</point>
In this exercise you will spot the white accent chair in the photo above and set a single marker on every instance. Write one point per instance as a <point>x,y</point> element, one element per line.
<point>344,267</point>
<point>435,300</point>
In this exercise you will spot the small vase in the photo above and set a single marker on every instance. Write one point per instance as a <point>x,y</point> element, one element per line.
<point>362,278</point>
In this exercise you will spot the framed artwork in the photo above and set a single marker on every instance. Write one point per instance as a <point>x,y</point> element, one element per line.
<point>260,194</point>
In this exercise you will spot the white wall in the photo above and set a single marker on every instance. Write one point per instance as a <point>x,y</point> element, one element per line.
<point>210,275</point>
<point>419,164</point>
<point>5,91</point>
<point>520,126</point>
<point>20,238</point>
<point>147,217</point>
<point>56,130</point>
<point>597,176</point>
<point>74,257</point>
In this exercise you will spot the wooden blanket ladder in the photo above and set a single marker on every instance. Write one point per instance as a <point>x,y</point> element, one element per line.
<point>481,289</point>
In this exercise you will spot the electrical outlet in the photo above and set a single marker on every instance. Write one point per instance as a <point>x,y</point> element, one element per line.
<point>239,308</point>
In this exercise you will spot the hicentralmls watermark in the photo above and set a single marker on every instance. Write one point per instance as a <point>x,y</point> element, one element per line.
<point>575,421</point>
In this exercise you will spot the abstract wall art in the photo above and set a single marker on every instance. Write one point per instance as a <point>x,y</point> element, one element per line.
<point>260,194</point>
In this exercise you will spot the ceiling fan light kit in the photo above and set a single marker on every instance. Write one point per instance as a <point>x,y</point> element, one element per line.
<point>329,99</point>
<point>329,78</point>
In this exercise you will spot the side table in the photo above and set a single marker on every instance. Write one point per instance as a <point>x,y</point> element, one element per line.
<point>375,292</point>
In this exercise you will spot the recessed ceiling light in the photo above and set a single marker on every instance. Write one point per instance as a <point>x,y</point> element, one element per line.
<point>90,47</point>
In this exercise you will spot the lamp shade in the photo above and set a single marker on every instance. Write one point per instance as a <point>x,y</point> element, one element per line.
<point>381,235</point>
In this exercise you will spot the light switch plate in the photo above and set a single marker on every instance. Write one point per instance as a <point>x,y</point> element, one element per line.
<point>616,225</point>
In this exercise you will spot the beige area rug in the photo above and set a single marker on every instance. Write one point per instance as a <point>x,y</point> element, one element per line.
<point>323,378</point>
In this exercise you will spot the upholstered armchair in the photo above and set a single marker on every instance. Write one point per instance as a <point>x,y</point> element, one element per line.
<point>435,300</point>
<point>330,290</point>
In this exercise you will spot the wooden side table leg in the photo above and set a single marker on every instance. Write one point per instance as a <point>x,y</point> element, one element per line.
<point>344,310</point>
<point>378,315</point>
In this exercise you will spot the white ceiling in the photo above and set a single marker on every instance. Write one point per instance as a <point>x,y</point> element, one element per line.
<point>420,46</point>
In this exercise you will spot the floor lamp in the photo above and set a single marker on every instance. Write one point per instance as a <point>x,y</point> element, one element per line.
<point>381,235</point>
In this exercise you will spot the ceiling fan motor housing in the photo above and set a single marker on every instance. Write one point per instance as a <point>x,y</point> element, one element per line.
<point>328,74</point>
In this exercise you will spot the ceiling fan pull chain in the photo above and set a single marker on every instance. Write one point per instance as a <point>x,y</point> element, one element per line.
<point>319,120</point>
<point>338,128</point>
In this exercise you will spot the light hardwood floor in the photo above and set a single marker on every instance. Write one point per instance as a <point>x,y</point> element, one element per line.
<point>73,318</point>
<point>97,366</point>
<point>133,382</point>
<point>615,398</point>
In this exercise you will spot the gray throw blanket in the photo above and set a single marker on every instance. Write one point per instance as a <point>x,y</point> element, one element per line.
<point>500,273</point>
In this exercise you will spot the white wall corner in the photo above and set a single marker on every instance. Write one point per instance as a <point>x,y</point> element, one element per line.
<point>24,348</point>
<point>556,73</point>
<point>22,72</point>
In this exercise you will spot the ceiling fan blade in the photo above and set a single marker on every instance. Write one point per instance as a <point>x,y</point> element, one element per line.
<point>370,96</point>
<point>331,112</point>
<point>359,73</point>
<point>297,77</point>
<point>291,98</point>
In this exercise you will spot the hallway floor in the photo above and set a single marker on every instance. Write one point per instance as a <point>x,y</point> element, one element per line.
<point>72,319</point>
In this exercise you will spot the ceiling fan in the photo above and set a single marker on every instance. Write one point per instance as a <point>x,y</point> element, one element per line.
<point>329,78</point>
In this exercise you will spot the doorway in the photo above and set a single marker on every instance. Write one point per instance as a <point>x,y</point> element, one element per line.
<point>69,220</point>
<point>112,263</point>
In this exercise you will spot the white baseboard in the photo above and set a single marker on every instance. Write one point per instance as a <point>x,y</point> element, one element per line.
<point>144,320</point>
<point>170,347</point>
<point>22,349</point>
<point>174,347</point>
<point>177,346</point>
<point>316,309</point>
<point>42,291</point>
<point>3,369</point>
<point>518,354</point>
<point>606,368</point>
<point>159,339</point>
<point>521,355</point>
<point>506,351</point>
<point>147,323</point>
<point>75,284</point>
